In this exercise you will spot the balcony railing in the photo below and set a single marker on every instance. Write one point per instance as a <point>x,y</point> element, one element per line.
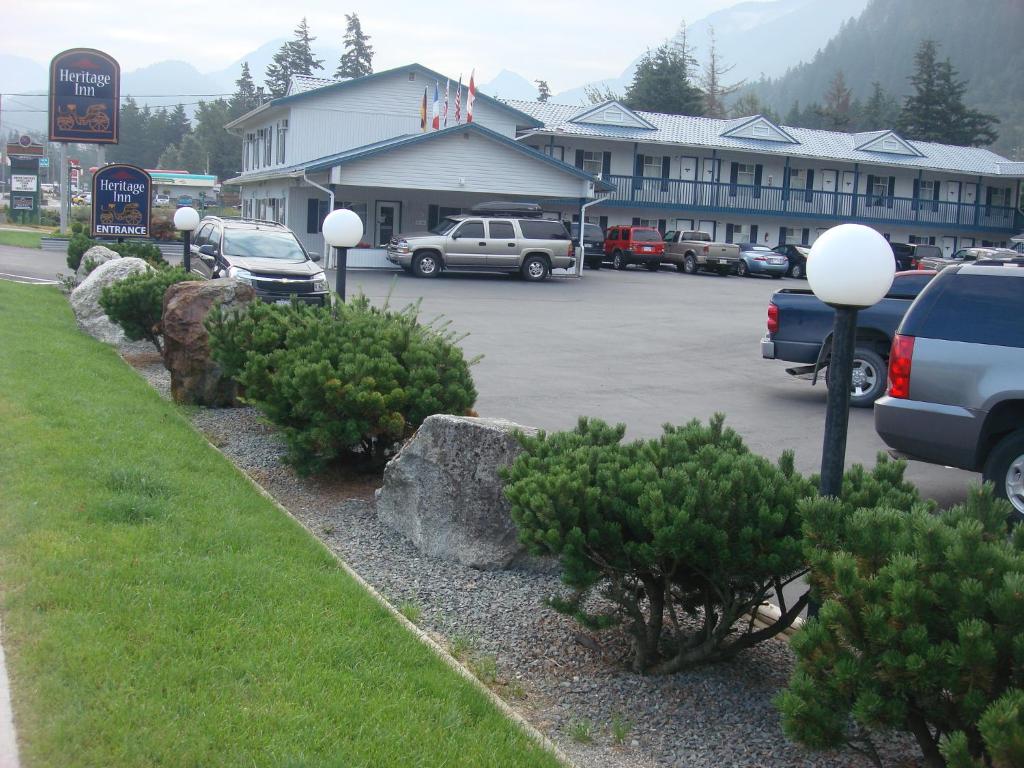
<point>638,191</point>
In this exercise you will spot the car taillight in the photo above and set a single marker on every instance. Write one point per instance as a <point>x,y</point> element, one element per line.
<point>900,358</point>
<point>773,319</point>
<point>572,250</point>
<point>760,258</point>
<point>706,249</point>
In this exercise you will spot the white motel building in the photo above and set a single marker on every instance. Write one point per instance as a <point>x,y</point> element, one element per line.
<point>358,144</point>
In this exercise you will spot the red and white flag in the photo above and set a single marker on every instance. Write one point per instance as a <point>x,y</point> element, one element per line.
<point>458,101</point>
<point>470,98</point>
<point>447,93</point>
<point>437,107</point>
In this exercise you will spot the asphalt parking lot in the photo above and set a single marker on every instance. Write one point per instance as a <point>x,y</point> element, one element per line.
<point>639,347</point>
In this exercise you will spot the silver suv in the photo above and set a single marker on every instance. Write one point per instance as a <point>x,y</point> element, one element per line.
<point>509,238</point>
<point>956,377</point>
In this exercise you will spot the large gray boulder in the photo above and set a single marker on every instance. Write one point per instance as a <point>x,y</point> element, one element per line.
<point>195,378</point>
<point>443,493</point>
<point>98,254</point>
<point>85,299</point>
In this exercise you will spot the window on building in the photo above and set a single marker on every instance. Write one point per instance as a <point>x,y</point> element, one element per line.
<point>652,166</point>
<point>684,225</point>
<point>613,115</point>
<point>745,173</point>
<point>798,178</point>
<point>652,223</point>
<point>593,162</point>
<point>268,157</point>
<point>282,133</point>
<point>247,151</point>
<point>761,131</point>
<point>999,197</point>
<point>791,235</point>
<point>555,151</point>
<point>740,233</point>
<point>921,239</point>
<point>926,190</point>
<point>316,212</point>
<point>890,145</point>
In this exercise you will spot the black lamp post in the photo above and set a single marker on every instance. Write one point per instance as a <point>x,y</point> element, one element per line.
<point>342,229</point>
<point>186,219</point>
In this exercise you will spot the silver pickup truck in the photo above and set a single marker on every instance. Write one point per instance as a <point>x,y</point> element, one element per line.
<point>693,251</point>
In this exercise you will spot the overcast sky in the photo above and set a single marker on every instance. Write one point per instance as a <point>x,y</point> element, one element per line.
<point>564,42</point>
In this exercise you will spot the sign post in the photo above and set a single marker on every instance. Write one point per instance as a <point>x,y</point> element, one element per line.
<point>121,201</point>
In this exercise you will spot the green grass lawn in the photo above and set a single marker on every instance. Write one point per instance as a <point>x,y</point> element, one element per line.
<point>158,611</point>
<point>22,239</point>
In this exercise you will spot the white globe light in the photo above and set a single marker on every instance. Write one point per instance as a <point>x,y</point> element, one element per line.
<point>851,265</point>
<point>343,228</point>
<point>186,219</point>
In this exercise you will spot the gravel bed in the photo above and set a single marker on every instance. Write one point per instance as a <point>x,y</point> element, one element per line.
<point>567,681</point>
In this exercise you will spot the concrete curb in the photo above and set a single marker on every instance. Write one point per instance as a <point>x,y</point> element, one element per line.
<point>530,730</point>
<point>8,741</point>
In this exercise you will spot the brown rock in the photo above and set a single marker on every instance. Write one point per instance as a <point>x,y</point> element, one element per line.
<point>195,378</point>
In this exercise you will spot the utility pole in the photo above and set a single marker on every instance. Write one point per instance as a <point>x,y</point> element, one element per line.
<point>65,196</point>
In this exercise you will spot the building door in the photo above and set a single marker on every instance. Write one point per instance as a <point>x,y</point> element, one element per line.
<point>828,180</point>
<point>948,245</point>
<point>389,220</point>
<point>688,167</point>
<point>710,169</point>
<point>970,193</point>
<point>952,191</point>
<point>706,226</point>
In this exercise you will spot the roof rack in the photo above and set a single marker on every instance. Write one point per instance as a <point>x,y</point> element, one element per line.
<point>246,220</point>
<point>507,209</point>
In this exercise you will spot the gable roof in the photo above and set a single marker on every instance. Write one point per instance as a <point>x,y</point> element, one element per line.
<point>303,83</point>
<point>369,150</point>
<point>706,132</point>
<point>522,118</point>
<point>601,114</point>
<point>748,128</point>
<point>885,141</point>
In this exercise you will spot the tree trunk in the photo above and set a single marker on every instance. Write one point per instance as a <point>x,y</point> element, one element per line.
<point>925,740</point>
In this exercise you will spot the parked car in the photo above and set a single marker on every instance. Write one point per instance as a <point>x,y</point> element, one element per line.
<point>511,238</point>
<point>692,251</point>
<point>908,255</point>
<point>161,200</point>
<point>796,255</point>
<point>263,254</point>
<point>761,260</point>
<point>630,244</point>
<point>967,255</point>
<point>593,244</point>
<point>800,331</point>
<point>956,377</point>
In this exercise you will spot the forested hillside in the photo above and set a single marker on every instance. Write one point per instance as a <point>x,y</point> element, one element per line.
<point>982,39</point>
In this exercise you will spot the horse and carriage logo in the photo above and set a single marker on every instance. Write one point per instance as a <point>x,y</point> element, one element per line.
<point>95,118</point>
<point>129,215</point>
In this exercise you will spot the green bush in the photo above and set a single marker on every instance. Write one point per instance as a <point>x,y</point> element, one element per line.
<point>681,535</point>
<point>77,228</point>
<point>136,303</point>
<point>348,382</point>
<point>77,246</point>
<point>921,630</point>
<point>148,252</point>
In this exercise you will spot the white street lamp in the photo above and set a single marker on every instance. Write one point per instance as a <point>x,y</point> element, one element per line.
<point>186,220</point>
<point>342,229</point>
<point>850,267</point>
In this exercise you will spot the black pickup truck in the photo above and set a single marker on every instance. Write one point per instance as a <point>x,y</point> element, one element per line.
<point>800,331</point>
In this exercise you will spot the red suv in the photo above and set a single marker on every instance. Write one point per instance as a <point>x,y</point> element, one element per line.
<point>627,245</point>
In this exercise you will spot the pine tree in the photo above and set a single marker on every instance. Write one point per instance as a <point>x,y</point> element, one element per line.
<point>599,94</point>
<point>244,98</point>
<point>836,112</point>
<point>293,58</point>
<point>178,125</point>
<point>543,91</point>
<point>935,111</point>
<point>749,104</point>
<point>880,111</point>
<point>794,116</point>
<point>715,92</point>
<point>357,60</point>
<point>662,82</point>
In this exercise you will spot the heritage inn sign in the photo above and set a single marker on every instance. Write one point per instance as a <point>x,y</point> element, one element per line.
<point>85,97</point>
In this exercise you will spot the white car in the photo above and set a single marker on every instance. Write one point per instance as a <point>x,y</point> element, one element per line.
<point>161,200</point>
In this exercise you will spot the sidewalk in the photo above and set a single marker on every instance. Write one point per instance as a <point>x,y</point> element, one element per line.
<point>8,745</point>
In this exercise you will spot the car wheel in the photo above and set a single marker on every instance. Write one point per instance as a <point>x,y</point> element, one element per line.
<point>742,269</point>
<point>426,265</point>
<point>1004,468</point>
<point>869,376</point>
<point>535,269</point>
<point>797,271</point>
<point>618,261</point>
<point>653,266</point>
<point>690,265</point>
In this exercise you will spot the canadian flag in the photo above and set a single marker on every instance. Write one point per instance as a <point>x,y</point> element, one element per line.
<point>470,98</point>
<point>437,107</point>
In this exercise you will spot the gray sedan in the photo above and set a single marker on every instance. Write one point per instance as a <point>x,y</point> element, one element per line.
<point>761,260</point>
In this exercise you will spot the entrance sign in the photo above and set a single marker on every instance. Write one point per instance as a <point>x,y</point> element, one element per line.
<point>85,97</point>
<point>121,196</point>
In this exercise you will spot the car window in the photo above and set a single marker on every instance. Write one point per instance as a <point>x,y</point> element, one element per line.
<point>443,227</point>
<point>592,232</point>
<point>646,236</point>
<point>613,233</point>
<point>670,236</point>
<point>213,237</point>
<point>978,309</point>
<point>543,229</point>
<point>201,237</point>
<point>501,229</point>
<point>907,286</point>
<point>263,244</point>
<point>928,252</point>
<point>470,229</point>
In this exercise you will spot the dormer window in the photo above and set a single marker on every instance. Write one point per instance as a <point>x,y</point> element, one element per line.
<point>890,145</point>
<point>761,131</point>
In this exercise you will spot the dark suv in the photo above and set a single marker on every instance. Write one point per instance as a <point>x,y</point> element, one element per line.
<point>956,377</point>
<point>909,255</point>
<point>263,254</point>
<point>593,243</point>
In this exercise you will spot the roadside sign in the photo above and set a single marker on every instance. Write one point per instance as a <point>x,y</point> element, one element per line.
<point>44,162</point>
<point>23,203</point>
<point>121,201</point>
<point>85,97</point>
<point>24,183</point>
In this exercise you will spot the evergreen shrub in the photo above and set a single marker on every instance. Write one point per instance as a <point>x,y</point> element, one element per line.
<point>348,382</point>
<point>148,252</point>
<point>921,630</point>
<point>77,246</point>
<point>681,535</point>
<point>136,303</point>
